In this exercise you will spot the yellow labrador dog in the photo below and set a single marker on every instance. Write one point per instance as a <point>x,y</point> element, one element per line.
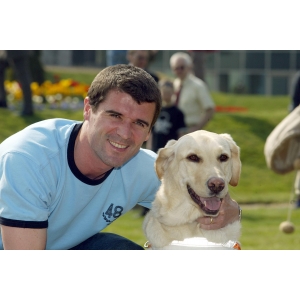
<point>195,172</point>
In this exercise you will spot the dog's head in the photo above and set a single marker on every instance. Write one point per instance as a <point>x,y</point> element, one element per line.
<point>195,171</point>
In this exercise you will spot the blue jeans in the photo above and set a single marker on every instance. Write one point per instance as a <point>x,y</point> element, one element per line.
<point>107,241</point>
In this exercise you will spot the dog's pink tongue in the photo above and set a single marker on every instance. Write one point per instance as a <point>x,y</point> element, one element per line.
<point>212,203</point>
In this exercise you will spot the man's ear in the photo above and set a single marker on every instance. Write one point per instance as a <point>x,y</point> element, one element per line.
<point>86,109</point>
<point>164,156</point>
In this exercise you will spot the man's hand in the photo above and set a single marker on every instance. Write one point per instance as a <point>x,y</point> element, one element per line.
<point>229,212</point>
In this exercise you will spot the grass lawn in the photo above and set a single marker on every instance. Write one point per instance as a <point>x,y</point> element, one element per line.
<point>267,192</point>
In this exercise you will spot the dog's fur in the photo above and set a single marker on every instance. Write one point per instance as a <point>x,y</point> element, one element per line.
<point>195,172</point>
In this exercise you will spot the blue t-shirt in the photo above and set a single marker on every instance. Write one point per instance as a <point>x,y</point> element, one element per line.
<point>41,187</point>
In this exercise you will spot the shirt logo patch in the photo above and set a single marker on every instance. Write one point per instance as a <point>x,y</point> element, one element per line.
<point>112,213</point>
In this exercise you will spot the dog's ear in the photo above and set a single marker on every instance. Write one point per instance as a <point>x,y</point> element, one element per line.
<point>164,156</point>
<point>236,162</point>
<point>170,143</point>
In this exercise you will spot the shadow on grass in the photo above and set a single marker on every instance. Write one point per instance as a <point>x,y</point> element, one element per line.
<point>259,127</point>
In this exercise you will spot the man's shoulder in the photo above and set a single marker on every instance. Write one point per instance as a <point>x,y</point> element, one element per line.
<point>52,123</point>
<point>141,166</point>
<point>195,80</point>
<point>47,135</point>
<point>147,154</point>
<point>144,159</point>
<point>55,126</point>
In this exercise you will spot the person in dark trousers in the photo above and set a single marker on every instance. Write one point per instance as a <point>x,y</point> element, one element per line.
<point>170,123</point>
<point>295,91</point>
<point>19,61</point>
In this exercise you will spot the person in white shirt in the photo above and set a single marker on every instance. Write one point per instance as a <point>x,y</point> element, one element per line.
<point>193,97</point>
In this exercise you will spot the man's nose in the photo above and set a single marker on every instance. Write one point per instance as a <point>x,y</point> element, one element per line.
<point>124,130</point>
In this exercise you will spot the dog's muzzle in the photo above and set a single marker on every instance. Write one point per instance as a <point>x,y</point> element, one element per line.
<point>209,205</point>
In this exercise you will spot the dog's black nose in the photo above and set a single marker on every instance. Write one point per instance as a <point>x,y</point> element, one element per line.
<point>215,184</point>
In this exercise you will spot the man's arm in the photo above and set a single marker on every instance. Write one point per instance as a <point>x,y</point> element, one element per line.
<point>15,238</point>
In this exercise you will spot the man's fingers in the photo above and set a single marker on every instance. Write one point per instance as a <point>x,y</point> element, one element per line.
<point>210,222</point>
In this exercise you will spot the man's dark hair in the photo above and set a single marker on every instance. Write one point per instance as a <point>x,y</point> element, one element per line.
<point>128,79</point>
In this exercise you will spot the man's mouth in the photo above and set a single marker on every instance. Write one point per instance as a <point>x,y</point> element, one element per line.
<point>117,145</point>
<point>210,205</point>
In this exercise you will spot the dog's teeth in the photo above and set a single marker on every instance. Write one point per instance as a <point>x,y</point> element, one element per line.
<point>205,203</point>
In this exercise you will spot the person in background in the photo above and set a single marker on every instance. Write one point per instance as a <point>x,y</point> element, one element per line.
<point>3,66</point>
<point>36,67</point>
<point>170,123</point>
<point>192,95</point>
<point>295,94</point>
<point>141,59</point>
<point>19,61</point>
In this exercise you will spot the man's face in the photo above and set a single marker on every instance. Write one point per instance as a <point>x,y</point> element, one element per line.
<point>180,68</point>
<point>140,59</point>
<point>117,130</point>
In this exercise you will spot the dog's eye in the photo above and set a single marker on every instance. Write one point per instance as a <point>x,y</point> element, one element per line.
<point>223,158</point>
<point>194,158</point>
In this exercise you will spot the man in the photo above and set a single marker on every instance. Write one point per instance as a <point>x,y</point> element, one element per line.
<point>193,98</point>
<point>64,181</point>
<point>141,59</point>
<point>19,61</point>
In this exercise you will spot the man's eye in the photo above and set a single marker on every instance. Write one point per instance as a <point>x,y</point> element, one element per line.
<point>140,124</point>
<point>115,115</point>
